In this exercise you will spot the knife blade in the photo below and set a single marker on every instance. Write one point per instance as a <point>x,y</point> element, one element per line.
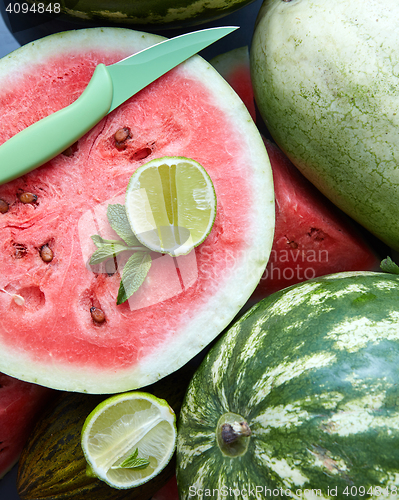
<point>108,88</point>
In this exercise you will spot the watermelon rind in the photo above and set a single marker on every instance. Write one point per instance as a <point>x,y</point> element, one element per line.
<point>148,13</point>
<point>325,81</point>
<point>313,370</point>
<point>235,68</point>
<point>55,365</point>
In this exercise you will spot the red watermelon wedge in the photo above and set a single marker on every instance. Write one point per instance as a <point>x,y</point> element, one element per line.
<point>234,67</point>
<point>312,236</point>
<point>20,406</point>
<point>51,338</point>
<point>168,492</point>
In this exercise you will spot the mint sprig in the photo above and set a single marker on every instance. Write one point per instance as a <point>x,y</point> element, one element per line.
<point>106,249</point>
<point>133,462</point>
<point>134,274</point>
<point>389,266</point>
<point>138,264</point>
<point>120,224</point>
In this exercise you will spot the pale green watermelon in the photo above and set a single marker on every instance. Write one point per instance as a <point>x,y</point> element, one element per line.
<point>52,338</point>
<point>325,78</point>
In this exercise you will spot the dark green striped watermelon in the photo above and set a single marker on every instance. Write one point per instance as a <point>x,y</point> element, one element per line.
<point>161,13</point>
<point>300,398</point>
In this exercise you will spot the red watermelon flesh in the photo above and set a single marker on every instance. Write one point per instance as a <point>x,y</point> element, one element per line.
<point>20,406</point>
<point>52,339</point>
<point>312,237</point>
<point>234,67</point>
<point>167,492</point>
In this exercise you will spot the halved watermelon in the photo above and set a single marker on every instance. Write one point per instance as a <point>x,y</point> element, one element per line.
<point>52,338</point>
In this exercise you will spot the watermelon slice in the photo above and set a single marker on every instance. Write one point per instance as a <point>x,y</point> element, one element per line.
<point>20,406</point>
<point>168,492</point>
<point>48,334</point>
<point>312,236</point>
<point>234,67</point>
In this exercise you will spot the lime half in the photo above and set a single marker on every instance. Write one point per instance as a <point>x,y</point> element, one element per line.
<point>171,204</point>
<point>129,438</point>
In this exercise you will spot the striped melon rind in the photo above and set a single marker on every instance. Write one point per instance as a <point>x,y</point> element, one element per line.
<point>314,371</point>
<point>161,13</point>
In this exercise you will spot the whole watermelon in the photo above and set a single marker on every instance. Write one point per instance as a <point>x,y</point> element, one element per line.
<point>299,399</point>
<point>60,325</point>
<point>325,78</point>
<point>161,13</point>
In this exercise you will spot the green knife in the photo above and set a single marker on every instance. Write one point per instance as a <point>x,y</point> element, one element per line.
<point>109,87</point>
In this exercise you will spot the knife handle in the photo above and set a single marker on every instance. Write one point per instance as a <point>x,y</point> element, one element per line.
<point>48,137</point>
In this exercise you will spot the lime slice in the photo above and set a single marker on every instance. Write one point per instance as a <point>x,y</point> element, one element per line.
<point>171,204</point>
<point>129,438</point>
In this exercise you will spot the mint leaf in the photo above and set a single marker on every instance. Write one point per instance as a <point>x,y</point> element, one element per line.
<point>99,241</point>
<point>120,224</point>
<point>133,276</point>
<point>389,266</point>
<point>133,462</point>
<point>106,251</point>
<point>137,266</point>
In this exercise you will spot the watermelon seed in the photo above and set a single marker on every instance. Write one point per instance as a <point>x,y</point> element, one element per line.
<point>71,150</point>
<point>18,299</point>
<point>27,198</point>
<point>140,154</point>
<point>317,234</point>
<point>46,253</point>
<point>97,314</point>
<point>3,206</point>
<point>293,244</point>
<point>20,250</point>
<point>121,136</point>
